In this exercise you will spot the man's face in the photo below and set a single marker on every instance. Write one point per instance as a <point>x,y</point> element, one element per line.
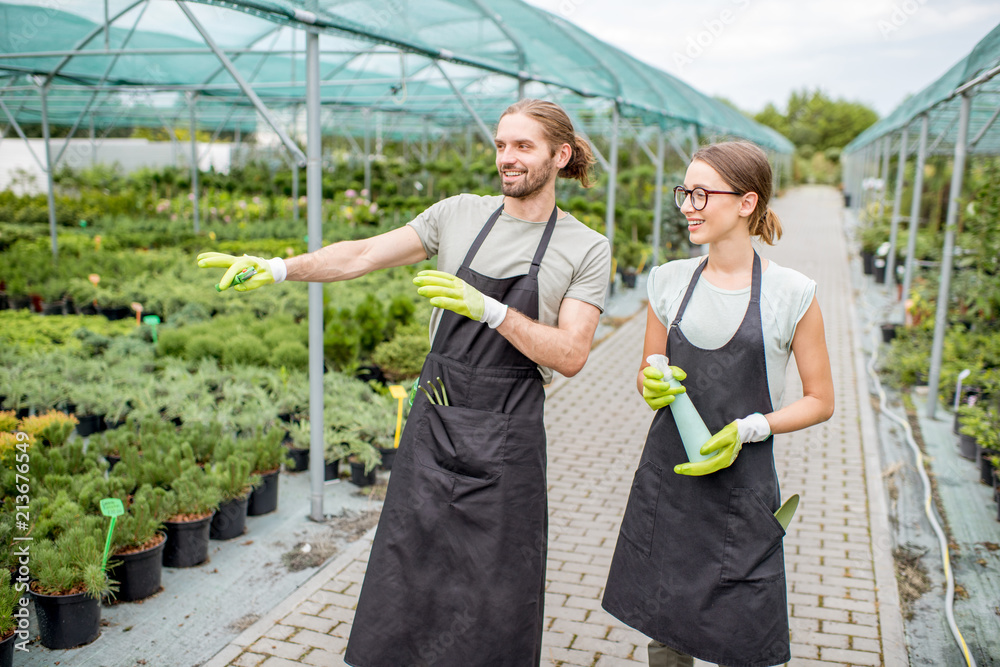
<point>524,159</point>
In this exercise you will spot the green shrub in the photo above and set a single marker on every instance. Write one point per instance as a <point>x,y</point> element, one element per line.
<point>244,349</point>
<point>290,354</point>
<point>203,345</point>
<point>403,356</point>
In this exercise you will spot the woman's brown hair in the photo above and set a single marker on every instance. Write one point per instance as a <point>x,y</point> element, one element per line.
<point>558,130</point>
<point>744,167</point>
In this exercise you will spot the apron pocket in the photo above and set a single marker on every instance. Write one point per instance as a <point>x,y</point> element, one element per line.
<point>462,441</point>
<point>753,540</point>
<point>640,513</point>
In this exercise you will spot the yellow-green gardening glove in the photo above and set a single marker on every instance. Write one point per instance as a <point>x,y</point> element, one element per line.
<point>454,294</point>
<point>267,270</point>
<point>656,391</point>
<point>727,444</point>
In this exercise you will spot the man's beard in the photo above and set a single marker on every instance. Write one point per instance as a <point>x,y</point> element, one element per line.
<point>529,184</point>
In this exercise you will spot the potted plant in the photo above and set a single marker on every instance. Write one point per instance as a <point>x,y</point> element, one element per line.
<point>137,544</point>
<point>403,356</point>
<point>190,505</point>
<point>268,451</point>
<point>53,427</point>
<point>363,457</point>
<point>10,599</point>
<point>297,445</point>
<point>69,582</point>
<point>975,427</point>
<point>233,475</point>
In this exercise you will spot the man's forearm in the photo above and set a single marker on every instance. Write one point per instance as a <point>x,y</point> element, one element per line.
<point>349,259</point>
<point>562,350</point>
<point>339,261</point>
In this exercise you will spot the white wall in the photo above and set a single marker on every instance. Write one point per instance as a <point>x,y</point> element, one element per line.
<point>131,154</point>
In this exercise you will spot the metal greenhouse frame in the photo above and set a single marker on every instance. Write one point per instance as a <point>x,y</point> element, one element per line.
<point>225,64</point>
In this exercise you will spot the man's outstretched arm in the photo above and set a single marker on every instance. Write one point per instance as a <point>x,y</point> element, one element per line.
<point>563,348</point>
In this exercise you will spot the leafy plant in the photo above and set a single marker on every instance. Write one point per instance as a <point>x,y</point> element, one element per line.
<point>71,562</point>
<point>9,599</point>
<point>267,450</point>
<point>232,472</point>
<point>52,427</point>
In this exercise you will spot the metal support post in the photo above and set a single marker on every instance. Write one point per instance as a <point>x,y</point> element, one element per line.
<point>192,100</point>
<point>661,147</point>
<point>897,202</point>
<point>314,202</point>
<point>50,183</point>
<point>918,187</point>
<point>948,254</point>
<point>884,173</point>
<point>367,151</point>
<point>609,217</point>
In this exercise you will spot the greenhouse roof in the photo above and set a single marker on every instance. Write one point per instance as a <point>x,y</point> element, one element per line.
<point>441,60</point>
<point>975,73</point>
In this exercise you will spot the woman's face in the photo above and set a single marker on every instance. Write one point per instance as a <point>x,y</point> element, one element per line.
<point>724,216</point>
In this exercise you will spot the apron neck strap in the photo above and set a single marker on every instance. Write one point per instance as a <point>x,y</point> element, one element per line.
<point>754,287</point>
<point>543,244</point>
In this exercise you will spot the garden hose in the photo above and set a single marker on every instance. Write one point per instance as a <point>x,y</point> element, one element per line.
<point>928,510</point>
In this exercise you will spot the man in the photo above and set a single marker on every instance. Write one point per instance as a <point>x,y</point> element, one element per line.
<point>456,574</point>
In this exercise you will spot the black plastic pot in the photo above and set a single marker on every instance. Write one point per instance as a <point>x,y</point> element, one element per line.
<point>65,621</point>
<point>388,456</point>
<point>264,498</point>
<point>868,262</point>
<point>370,373</point>
<point>358,476</point>
<point>7,651</point>
<point>888,332</point>
<point>89,424</point>
<point>985,467</point>
<point>54,308</point>
<point>967,447</point>
<point>116,313</point>
<point>331,470</point>
<point>112,460</point>
<point>187,542</point>
<point>230,519</point>
<point>138,574</point>
<point>879,270</point>
<point>300,459</point>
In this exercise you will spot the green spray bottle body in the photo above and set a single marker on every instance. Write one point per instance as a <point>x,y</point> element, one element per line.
<point>690,425</point>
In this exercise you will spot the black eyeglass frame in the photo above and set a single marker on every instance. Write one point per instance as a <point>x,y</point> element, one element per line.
<point>687,193</point>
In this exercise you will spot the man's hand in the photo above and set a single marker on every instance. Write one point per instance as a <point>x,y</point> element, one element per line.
<point>268,271</point>
<point>454,294</point>
<point>727,444</point>
<point>656,391</point>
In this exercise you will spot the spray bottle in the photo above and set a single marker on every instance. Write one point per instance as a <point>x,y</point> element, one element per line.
<point>692,428</point>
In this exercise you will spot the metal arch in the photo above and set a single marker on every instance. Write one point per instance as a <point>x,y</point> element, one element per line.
<point>502,26</point>
<point>87,39</point>
<point>244,86</point>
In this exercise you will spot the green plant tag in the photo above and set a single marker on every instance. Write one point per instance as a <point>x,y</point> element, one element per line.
<point>112,507</point>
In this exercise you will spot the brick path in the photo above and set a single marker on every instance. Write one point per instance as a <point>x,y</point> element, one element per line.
<point>841,589</point>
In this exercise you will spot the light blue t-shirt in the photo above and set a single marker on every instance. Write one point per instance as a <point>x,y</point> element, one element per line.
<point>713,314</point>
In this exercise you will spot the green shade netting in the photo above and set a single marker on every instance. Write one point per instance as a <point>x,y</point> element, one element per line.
<point>394,55</point>
<point>941,104</point>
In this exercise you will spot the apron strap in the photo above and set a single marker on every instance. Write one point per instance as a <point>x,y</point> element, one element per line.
<point>543,244</point>
<point>754,287</point>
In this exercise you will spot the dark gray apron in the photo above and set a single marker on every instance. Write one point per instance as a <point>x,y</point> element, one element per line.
<point>456,576</point>
<point>699,564</point>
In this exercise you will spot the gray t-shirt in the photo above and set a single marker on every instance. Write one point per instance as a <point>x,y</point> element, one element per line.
<point>576,265</point>
<point>713,314</point>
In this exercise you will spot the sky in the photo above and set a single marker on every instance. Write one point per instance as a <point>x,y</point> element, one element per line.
<point>753,52</point>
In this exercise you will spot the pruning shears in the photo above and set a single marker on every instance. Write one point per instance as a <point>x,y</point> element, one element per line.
<point>240,278</point>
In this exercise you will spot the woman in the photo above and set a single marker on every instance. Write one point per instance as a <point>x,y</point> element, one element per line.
<point>699,565</point>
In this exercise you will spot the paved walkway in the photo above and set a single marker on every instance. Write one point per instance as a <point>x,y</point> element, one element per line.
<point>842,595</point>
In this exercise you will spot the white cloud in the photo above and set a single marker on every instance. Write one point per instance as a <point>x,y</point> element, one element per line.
<point>873,51</point>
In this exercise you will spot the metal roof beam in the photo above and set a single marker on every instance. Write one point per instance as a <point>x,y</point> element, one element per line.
<point>244,86</point>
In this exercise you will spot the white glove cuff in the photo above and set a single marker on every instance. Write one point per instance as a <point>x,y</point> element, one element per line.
<point>494,312</point>
<point>753,428</point>
<point>278,269</point>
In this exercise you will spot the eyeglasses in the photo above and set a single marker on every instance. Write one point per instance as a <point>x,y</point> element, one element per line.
<point>699,196</point>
